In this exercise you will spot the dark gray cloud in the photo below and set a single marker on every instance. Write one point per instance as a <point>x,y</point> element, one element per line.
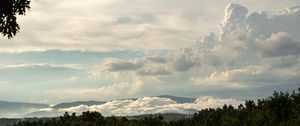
<point>281,44</point>
<point>185,59</point>
<point>136,19</point>
<point>123,66</point>
<point>156,59</point>
<point>148,66</point>
<point>154,72</point>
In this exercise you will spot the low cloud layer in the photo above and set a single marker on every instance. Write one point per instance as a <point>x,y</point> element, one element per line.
<point>144,105</point>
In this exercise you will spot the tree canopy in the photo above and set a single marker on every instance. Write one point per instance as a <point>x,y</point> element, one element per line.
<point>9,9</point>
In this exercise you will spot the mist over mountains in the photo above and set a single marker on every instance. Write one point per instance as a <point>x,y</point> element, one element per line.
<point>123,107</point>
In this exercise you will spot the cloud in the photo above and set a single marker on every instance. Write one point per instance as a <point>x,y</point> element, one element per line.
<point>275,71</point>
<point>253,50</point>
<point>281,44</point>
<point>235,78</point>
<point>171,61</point>
<point>136,19</point>
<point>154,72</point>
<point>53,66</point>
<point>119,25</point>
<point>26,75</point>
<point>234,20</point>
<point>122,66</point>
<point>263,24</point>
<point>185,59</point>
<point>243,55</point>
<point>73,78</point>
<point>239,22</point>
<point>147,66</point>
<point>147,105</point>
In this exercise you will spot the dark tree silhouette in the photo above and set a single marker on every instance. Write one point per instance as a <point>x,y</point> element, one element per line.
<point>9,9</point>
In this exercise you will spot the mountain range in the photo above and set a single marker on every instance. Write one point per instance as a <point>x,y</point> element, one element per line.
<point>92,102</point>
<point>122,107</point>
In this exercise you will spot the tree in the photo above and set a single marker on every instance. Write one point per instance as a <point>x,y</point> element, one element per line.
<point>9,9</point>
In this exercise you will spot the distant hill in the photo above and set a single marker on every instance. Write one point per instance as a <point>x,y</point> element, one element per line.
<point>77,103</point>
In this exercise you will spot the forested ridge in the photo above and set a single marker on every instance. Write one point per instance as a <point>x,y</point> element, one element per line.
<point>280,109</point>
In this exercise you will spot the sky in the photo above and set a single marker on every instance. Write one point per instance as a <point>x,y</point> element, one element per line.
<point>70,50</point>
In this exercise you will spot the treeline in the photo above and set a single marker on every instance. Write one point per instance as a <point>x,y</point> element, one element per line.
<point>280,109</point>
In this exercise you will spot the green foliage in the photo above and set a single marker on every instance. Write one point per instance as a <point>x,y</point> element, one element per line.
<point>280,109</point>
<point>9,9</point>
